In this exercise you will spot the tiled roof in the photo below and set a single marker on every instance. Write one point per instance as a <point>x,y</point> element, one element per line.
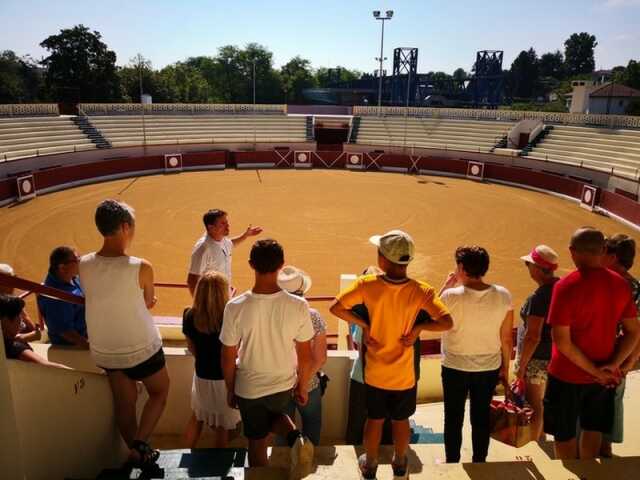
<point>615,90</point>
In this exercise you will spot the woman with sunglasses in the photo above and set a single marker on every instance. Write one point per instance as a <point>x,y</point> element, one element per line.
<point>534,335</point>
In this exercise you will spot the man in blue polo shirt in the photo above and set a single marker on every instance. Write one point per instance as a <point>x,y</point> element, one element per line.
<point>65,321</point>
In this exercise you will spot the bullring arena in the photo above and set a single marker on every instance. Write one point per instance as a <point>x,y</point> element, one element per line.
<point>447,177</point>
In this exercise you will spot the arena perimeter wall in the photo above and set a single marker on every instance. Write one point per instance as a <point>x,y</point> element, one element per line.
<point>57,172</point>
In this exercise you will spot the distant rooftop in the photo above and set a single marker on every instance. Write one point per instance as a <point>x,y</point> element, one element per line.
<point>614,90</point>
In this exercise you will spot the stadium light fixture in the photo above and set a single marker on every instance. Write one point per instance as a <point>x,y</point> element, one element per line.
<point>381,59</point>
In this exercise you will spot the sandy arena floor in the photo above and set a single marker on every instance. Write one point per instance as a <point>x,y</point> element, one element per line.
<point>323,219</point>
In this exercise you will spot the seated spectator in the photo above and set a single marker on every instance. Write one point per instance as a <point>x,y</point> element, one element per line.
<point>14,347</point>
<point>201,325</point>
<point>297,282</point>
<point>619,257</point>
<point>534,335</point>
<point>476,351</point>
<point>65,321</point>
<point>263,332</point>
<point>29,331</point>
<point>125,341</point>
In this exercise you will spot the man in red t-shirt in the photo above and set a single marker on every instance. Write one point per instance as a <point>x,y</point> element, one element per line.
<point>587,307</point>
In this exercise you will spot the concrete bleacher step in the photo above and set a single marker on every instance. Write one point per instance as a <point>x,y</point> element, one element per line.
<point>594,146</point>
<point>621,170</point>
<point>588,157</point>
<point>591,158</point>
<point>614,131</point>
<point>597,141</point>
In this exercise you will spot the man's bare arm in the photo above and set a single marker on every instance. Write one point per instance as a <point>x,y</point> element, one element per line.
<point>249,232</point>
<point>305,362</point>
<point>228,363</point>
<point>347,315</point>
<point>319,352</point>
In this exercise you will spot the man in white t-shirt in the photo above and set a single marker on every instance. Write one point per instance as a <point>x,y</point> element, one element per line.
<point>213,250</point>
<point>266,329</point>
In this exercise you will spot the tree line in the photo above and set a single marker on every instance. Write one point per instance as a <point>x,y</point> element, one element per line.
<point>81,68</point>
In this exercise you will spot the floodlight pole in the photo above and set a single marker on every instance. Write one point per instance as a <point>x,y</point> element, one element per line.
<point>144,130</point>
<point>406,110</point>
<point>254,104</point>
<point>377,16</point>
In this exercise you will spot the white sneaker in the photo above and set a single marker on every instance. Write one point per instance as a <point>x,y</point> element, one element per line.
<point>301,459</point>
<point>367,472</point>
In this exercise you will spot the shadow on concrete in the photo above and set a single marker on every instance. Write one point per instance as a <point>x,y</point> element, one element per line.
<point>503,470</point>
<point>604,469</point>
<point>547,447</point>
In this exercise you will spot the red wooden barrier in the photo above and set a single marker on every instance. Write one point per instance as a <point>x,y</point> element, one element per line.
<point>620,205</point>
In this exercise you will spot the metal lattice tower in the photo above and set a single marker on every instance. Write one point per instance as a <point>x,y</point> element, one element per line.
<point>405,75</point>
<point>488,79</point>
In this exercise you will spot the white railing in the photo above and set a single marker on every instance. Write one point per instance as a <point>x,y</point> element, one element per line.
<point>608,121</point>
<point>177,108</point>
<point>28,109</point>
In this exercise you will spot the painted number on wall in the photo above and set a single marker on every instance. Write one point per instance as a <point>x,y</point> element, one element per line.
<point>79,385</point>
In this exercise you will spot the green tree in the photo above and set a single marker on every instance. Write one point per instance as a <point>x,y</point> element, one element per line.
<point>326,77</point>
<point>130,77</point>
<point>631,75</point>
<point>181,83</point>
<point>80,67</point>
<point>268,84</point>
<point>296,75</point>
<point>579,53</point>
<point>525,73</point>
<point>552,65</point>
<point>212,70</point>
<point>460,76</point>
<point>20,79</point>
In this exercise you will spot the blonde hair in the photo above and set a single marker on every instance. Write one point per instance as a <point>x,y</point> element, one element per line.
<point>210,297</point>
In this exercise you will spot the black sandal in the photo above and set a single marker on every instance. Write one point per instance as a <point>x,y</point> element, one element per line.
<point>148,456</point>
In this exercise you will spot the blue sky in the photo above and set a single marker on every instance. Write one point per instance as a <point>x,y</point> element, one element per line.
<point>330,32</point>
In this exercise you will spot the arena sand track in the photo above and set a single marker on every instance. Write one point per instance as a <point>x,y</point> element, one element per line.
<point>323,218</point>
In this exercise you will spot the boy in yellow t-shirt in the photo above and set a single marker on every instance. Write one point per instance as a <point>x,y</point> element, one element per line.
<point>393,301</point>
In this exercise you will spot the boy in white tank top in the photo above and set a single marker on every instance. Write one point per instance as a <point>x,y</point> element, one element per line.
<point>124,340</point>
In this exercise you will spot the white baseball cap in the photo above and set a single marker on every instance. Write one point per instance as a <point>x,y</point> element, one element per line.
<point>293,280</point>
<point>396,246</point>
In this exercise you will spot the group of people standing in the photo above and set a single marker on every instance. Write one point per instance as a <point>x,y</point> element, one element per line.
<point>259,354</point>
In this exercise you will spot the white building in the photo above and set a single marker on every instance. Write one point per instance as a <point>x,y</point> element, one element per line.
<point>610,98</point>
